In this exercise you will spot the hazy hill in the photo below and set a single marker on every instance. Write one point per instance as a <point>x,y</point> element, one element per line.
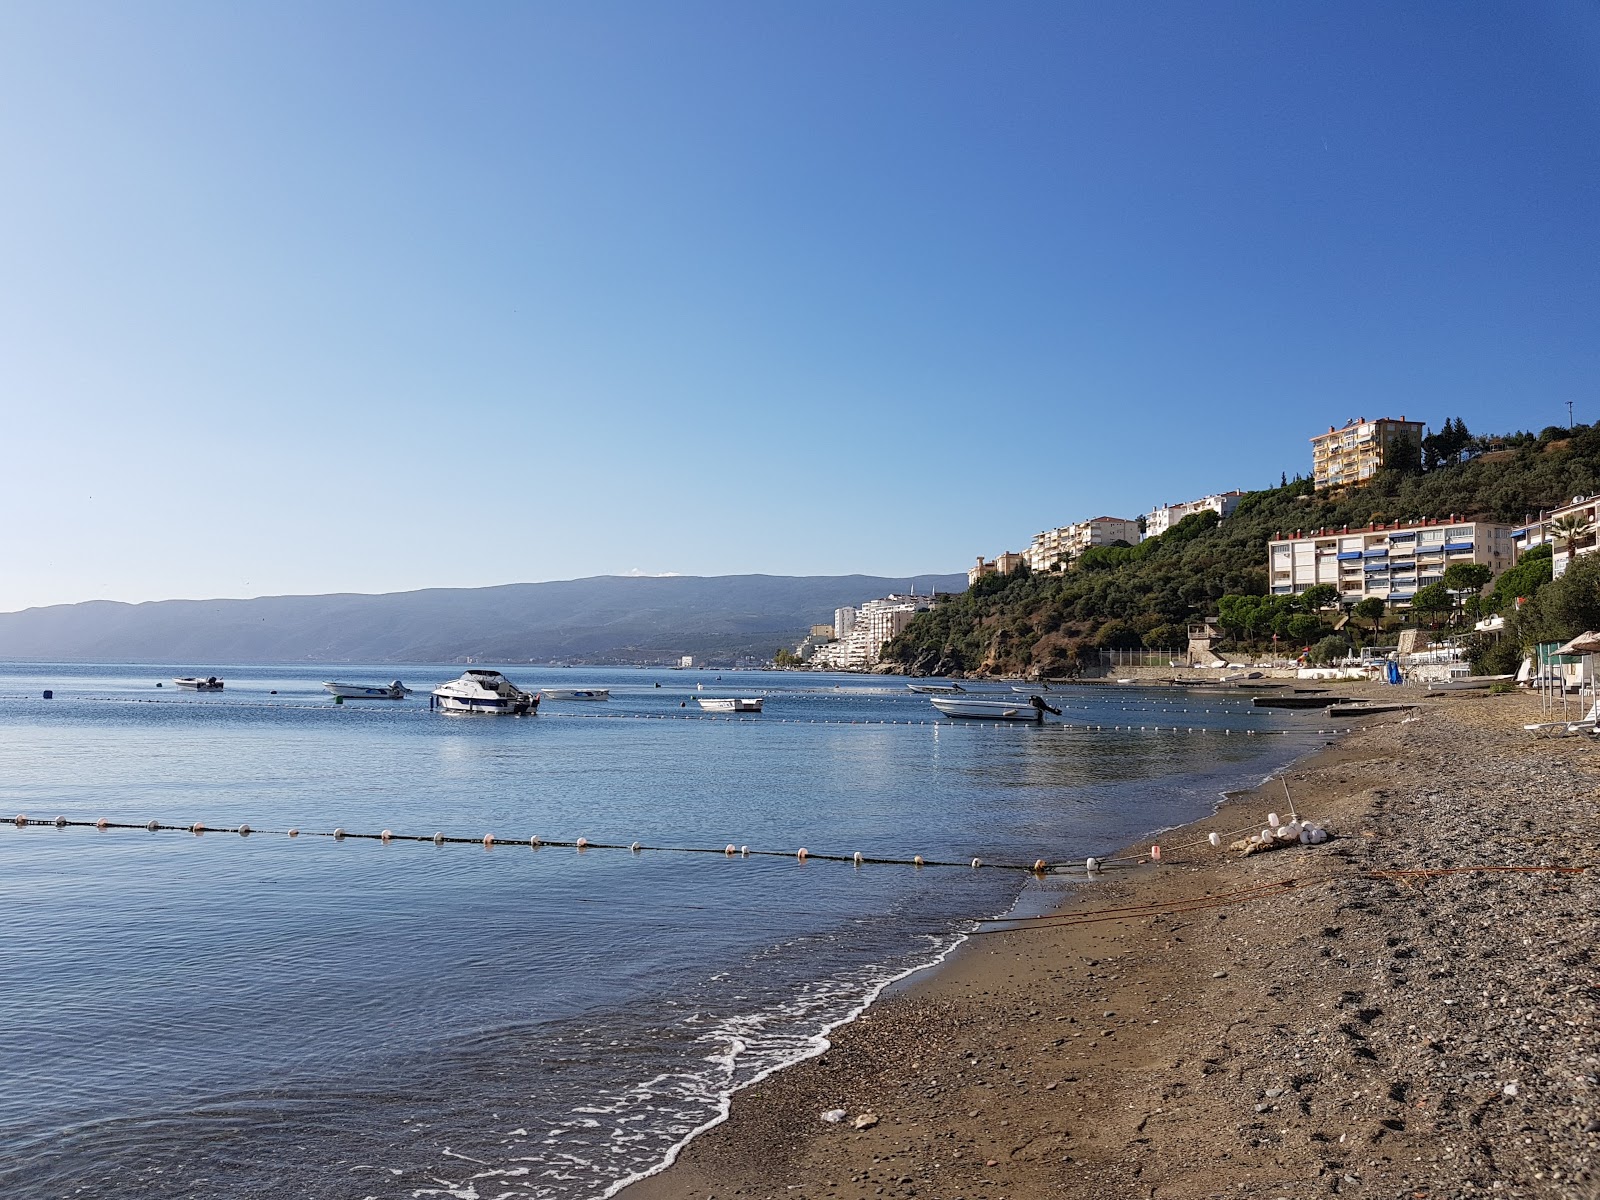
<point>605,618</point>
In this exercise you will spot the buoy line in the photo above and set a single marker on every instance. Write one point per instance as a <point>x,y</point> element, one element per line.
<point>1038,867</point>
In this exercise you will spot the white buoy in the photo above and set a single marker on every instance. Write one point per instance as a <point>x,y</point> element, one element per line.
<point>488,840</point>
<point>744,851</point>
<point>535,842</point>
<point>338,835</point>
<point>101,823</point>
<point>857,858</point>
<point>1091,864</point>
<point>1272,820</point>
<point>244,831</point>
<point>61,822</point>
<point>1040,866</point>
<point>583,843</point>
<point>1214,838</point>
<point>438,839</point>
<point>977,862</point>
<point>386,836</point>
<point>197,828</point>
<point>636,847</point>
<point>292,832</point>
<point>916,860</point>
<point>730,850</point>
<point>803,854</point>
<point>22,819</point>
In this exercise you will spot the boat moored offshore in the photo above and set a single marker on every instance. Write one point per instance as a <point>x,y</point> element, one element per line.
<point>575,693</point>
<point>481,691</point>
<point>362,691</point>
<point>729,703</point>
<point>1031,709</point>
<point>209,684</point>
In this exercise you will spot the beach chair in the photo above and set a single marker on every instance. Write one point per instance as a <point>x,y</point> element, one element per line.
<point>1588,723</point>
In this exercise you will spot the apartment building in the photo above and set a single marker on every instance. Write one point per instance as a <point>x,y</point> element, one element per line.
<point>1583,515</point>
<point>874,624</point>
<point>1164,516</point>
<point>1387,561</point>
<point>1354,454</point>
<point>1059,545</point>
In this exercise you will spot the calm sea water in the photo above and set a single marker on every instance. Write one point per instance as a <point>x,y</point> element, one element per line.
<point>221,1016</point>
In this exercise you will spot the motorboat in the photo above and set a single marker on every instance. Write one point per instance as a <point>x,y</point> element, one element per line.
<point>1031,709</point>
<point>575,693</point>
<point>480,691</point>
<point>209,684</point>
<point>362,691</point>
<point>936,689</point>
<point>729,703</point>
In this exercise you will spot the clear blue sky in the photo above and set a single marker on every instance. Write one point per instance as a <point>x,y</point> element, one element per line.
<point>371,296</point>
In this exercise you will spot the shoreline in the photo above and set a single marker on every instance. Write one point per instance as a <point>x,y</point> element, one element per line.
<point>1116,1053</point>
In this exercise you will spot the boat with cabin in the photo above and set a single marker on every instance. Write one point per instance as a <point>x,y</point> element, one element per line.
<point>363,691</point>
<point>487,692</point>
<point>209,684</point>
<point>729,704</point>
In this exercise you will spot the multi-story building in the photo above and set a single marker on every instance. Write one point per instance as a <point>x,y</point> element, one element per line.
<point>844,620</point>
<point>1387,561</point>
<point>1360,450</point>
<point>1570,530</point>
<point>1055,546</point>
<point>875,623</point>
<point>1164,516</point>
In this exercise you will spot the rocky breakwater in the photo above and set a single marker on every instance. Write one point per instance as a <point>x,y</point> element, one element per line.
<point>1356,1029</point>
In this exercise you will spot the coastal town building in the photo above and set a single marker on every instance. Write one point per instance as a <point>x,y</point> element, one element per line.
<point>844,620</point>
<point>1003,564</point>
<point>1388,561</point>
<point>1164,516</point>
<point>1357,452</point>
<point>825,632</point>
<point>1058,546</point>
<point>1570,531</point>
<point>875,623</point>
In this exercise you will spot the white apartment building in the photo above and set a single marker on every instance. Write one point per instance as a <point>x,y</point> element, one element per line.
<point>844,620</point>
<point>876,623</point>
<point>1164,516</point>
<point>1390,562</point>
<point>1536,533</point>
<point>1058,545</point>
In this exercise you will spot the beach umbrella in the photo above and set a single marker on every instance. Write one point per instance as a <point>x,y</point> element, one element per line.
<point>1584,643</point>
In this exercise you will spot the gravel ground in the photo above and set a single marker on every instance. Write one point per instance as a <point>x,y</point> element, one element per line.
<point>1354,1034</point>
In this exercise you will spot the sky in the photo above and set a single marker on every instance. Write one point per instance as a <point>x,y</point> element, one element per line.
<point>338,296</point>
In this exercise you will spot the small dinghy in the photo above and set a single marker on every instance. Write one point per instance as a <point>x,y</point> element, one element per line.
<point>1031,709</point>
<point>936,689</point>
<point>729,703</point>
<point>209,684</point>
<point>575,693</point>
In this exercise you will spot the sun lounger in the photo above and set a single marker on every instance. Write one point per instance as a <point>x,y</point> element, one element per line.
<point>1588,723</point>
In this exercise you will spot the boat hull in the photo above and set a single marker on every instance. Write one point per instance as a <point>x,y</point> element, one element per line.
<point>210,684</point>
<point>730,704</point>
<point>575,693</point>
<point>987,710</point>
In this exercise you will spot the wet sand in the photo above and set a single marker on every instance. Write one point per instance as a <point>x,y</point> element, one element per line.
<point>1337,1033</point>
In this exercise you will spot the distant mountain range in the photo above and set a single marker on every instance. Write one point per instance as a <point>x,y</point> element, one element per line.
<point>607,618</point>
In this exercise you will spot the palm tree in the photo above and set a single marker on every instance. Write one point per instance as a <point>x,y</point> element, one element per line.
<point>1567,531</point>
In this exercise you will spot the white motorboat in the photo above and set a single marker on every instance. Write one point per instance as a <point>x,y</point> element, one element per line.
<point>480,691</point>
<point>1466,683</point>
<point>362,691</point>
<point>575,693</point>
<point>209,684</point>
<point>936,689</point>
<point>1031,709</point>
<point>730,703</point>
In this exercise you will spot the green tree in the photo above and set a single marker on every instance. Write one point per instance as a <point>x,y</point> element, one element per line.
<point>1432,602</point>
<point>1328,649</point>
<point>1466,580</point>
<point>1318,597</point>
<point>1371,609</point>
<point>1530,574</point>
<point>1302,627</point>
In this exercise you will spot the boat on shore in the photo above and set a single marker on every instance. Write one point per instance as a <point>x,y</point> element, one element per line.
<point>1366,708</point>
<point>1031,709</point>
<point>486,692</point>
<point>729,703</point>
<point>575,693</point>
<point>209,684</point>
<point>1298,700</point>
<point>1464,683</point>
<point>363,691</point>
<point>936,689</point>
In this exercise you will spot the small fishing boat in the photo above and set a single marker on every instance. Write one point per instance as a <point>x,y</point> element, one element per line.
<point>1032,709</point>
<point>362,691</point>
<point>209,684</point>
<point>488,692</point>
<point>575,693</point>
<point>935,689</point>
<point>730,703</point>
<point>1030,691</point>
<point>1466,683</point>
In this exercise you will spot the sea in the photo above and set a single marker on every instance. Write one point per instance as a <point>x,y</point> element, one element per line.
<point>205,1014</point>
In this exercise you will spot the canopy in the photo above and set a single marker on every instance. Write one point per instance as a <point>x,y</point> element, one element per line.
<point>1584,643</point>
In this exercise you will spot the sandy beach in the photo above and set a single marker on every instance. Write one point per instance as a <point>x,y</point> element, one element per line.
<point>1297,1023</point>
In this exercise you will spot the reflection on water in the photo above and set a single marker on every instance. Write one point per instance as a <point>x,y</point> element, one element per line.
<point>221,1016</point>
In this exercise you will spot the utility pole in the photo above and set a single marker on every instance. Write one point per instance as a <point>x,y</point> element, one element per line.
<point>1569,416</point>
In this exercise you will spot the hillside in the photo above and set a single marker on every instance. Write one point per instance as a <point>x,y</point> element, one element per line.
<point>1146,595</point>
<point>601,619</point>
